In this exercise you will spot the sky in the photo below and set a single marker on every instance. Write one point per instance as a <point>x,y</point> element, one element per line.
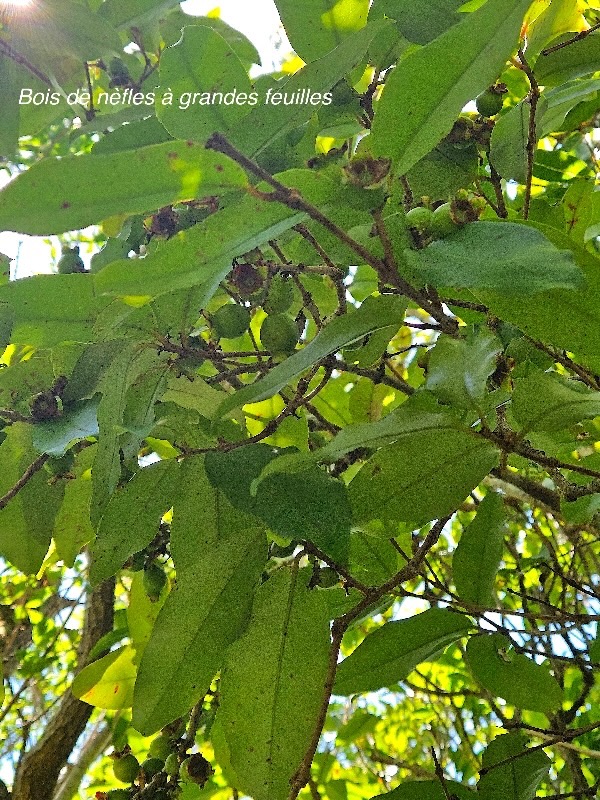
<point>258,20</point>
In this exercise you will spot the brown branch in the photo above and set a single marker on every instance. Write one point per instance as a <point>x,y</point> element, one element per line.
<point>339,628</point>
<point>39,769</point>
<point>23,480</point>
<point>533,98</point>
<point>577,38</point>
<point>293,199</point>
<point>15,56</point>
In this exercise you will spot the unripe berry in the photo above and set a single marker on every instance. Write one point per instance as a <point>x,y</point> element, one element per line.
<point>230,321</point>
<point>151,766</point>
<point>279,334</point>
<point>172,765</point>
<point>160,747</point>
<point>196,769</point>
<point>442,222</point>
<point>489,103</point>
<point>280,296</point>
<point>419,218</point>
<point>126,768</point>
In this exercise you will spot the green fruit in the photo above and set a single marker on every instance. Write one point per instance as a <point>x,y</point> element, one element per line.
<point>489,103</point>
<point>160,747</point>
<point>151,766</point>
<point>231,321</point>
<point>126,769</point>
<point>279,334</point>
<point>442,222</point>
<point>154,581</point>
<point>70,261</point>
<point>419,218</point>
<point>172,765</point>
<point>196,769</point>
<point>280,296</point>
<point>246,279</point>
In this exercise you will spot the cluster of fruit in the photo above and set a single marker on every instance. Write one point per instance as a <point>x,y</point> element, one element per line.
<point>446,218</point>
<point>279,332</point>
<point>165,761</point>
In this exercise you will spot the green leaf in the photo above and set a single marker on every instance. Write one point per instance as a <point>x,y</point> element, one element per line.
<point>265,124</point>
<point>458,369</point>
<point>131,518</point>
<point>477,557</point>
<point>425,475</point>
<point>579,59</point>
<point>273,674</point>
<point>420,21</point>
<point>220,554</point>
<point>517,679</point>
<point>48,309</point>
<point>203,254</point>
<point>309,505</point>
<point>79,422</point>
<point>202,62</point>
<point>427,90</point>
<point>124,14</point>
<point>565,319</point>
<point>373,315</point>
<point>63,194</point>
<point>517,779</point>
<point>508,146</point>
<point>316,27</point>
<point>389,654</point>
<point>9,102</point>
<point>72,526</point>
<point>427,790</point>
<point>544,401</point>
<point>108,682</point>
<point>508,257</point>
<point>27,520</point>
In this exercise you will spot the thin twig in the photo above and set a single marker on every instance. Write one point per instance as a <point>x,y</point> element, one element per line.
<point>577,38</point>
<point>23,480</point>
<point>533,99</point>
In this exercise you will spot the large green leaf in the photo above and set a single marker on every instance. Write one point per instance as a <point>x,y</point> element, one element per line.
<point>203,254</point>
<point>425,475</point>
<point>373,315</point>
<point>200,64</point>
<point>420,21</point>
<point>308,505</point>
<point>508,257</point>
<point>76,423</point>
<point>545,401</point>
<point>27,520</point>
<point>48,309</point>
<point>426,92</point>
<point>517,679</point>
<point>579,59</point>
<point>272,684</point>
<point>72,192</point>
<point>458,369</point>
<point>220,554</point>
<point>266,123</point>
<point>519,777</point>
<point>477,557</point>
<point>428,790</point>
<point>389,654</point>
<point>131,519</point>
<point>565,319</point>
<point>317,26</point>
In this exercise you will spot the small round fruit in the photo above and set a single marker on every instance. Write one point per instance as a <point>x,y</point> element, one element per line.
<point>70,261</point>
<point>442,223</point>
<point>172,765</point>
<point>196,768</point>
<point>419,217</point>
<point>152,766</point>
<point>246,279</point>
<point>489,103</point>
<point>160,747</point>
<point>279,334</point>
<point>280,296</point>
<point>154,581</point>
<point>231,321</point>
<point>126,768</point>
